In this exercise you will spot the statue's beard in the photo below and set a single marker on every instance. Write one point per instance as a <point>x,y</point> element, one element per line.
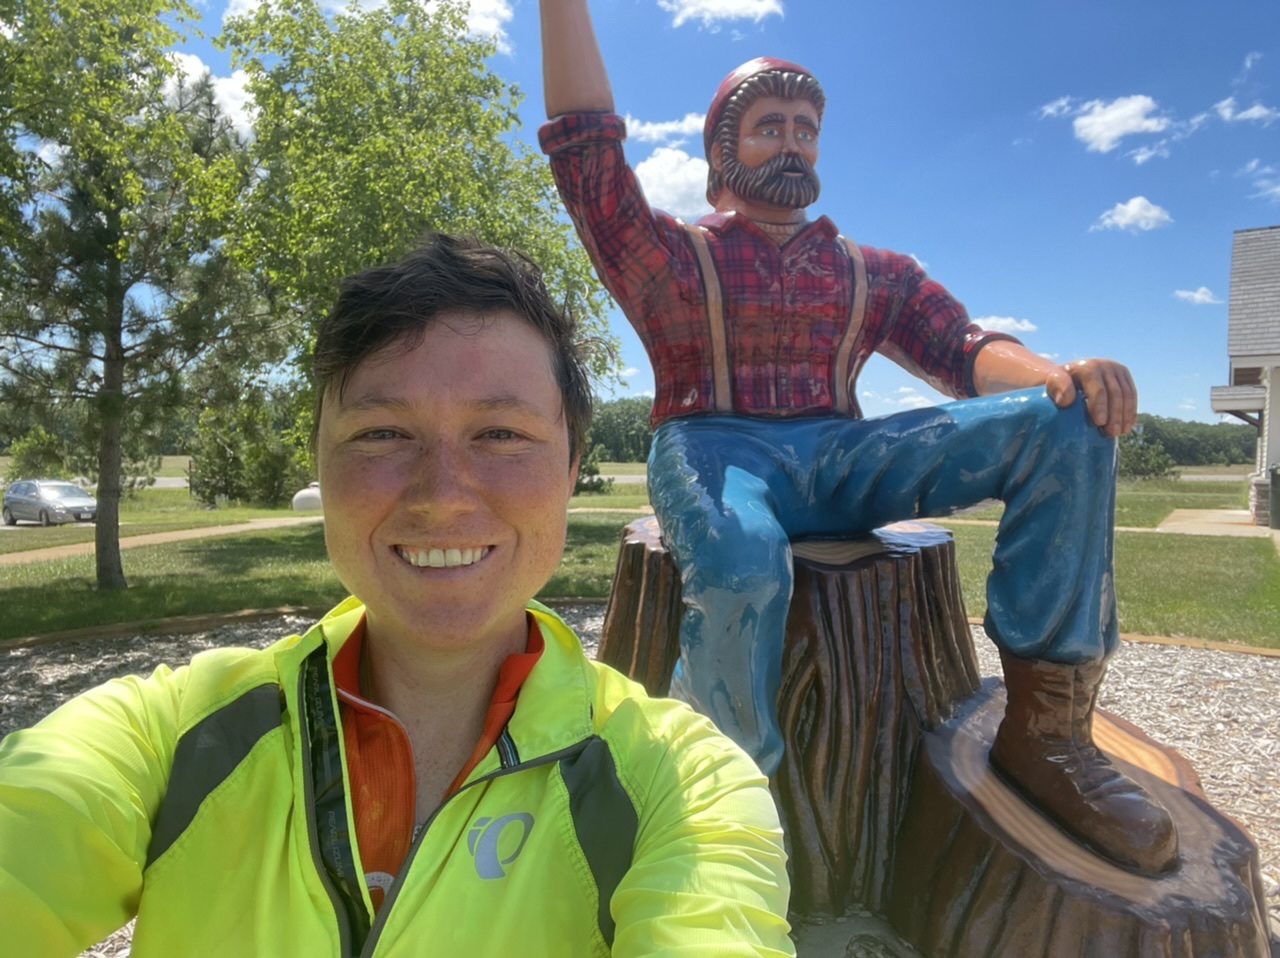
<point>773,182</point>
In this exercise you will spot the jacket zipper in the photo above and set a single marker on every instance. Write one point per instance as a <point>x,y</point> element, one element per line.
<point>313,836</point>
<point>371,943</point>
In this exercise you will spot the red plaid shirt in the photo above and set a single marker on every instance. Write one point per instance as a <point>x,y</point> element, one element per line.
<point>786,309</point>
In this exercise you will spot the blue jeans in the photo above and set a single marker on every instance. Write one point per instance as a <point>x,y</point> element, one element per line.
<point>732,492</point>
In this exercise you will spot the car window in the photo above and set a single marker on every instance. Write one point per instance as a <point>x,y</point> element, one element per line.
<point>60,490</point>
<point>21,489</point>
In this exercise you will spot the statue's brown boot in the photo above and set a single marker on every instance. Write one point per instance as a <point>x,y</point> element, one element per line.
<point>1045,750</point>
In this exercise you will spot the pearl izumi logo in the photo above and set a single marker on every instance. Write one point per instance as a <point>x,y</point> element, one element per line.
<point>497,842</point>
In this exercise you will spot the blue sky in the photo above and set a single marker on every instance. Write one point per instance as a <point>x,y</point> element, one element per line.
<point>1072,172</point>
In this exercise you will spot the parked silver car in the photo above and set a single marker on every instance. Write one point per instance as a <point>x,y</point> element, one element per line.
<point>48,502</point>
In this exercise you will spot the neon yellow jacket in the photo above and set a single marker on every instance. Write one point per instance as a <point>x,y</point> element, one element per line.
<point>211,802</point>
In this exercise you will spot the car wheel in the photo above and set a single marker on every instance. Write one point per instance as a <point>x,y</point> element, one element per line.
<point>44,518</point>
<point>8,518</point>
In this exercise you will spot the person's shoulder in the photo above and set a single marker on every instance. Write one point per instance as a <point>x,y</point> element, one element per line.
<point>216,679</point>
<point>662,740</point>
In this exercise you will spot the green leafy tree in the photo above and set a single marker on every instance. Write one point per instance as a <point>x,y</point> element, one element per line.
<point>620,427</point>
<point>117,278</point>
<point>589,478</point>
<point>37,455</point>
<point>1142,457</point>
<point>375,126</point>
<point>241,453</point>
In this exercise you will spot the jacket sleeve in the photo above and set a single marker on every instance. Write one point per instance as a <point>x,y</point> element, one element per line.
<point>78,793</point>
<point>709,874</point>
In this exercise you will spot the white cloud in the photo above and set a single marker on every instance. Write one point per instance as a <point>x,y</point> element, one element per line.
<point>1264,114</point>
<point>1255,167</point>
<point>906,396</point>
<point>1144,153</point>
<point>1266,180</point>
<point>667,130</point>
<point>238,8</point>
<point>1101,126</point>
<point>1268,191</point>
<point>489,18</point>
<point>1188,405</point>
<point>713,12</point>
<point>1258,113</point>
<point>1005,324</point>
<point>1059,107</point>
<point>1139,214</point>
<point>1200,297</point>
<point>230,93</point>
<point>675,181</point>
<point>50,153</point>
<point>629,372</point>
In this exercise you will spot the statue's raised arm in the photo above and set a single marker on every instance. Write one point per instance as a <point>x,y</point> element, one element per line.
<point>574,79</point>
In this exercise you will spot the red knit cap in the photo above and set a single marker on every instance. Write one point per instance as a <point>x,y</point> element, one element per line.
<point>729,85</point>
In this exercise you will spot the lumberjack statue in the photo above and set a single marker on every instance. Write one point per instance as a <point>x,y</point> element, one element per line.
<point>757,321</point>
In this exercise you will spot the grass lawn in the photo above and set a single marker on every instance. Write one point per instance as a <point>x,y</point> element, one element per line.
<point>1226,472</point>
<point>1210,588</point>
<point>623,468</point>
<point>620,495</point>
<point>1144,504</point>
<point>254,570</point>
<point>173,467</point>
<point>1148,503</point>
<point>1203,587</point>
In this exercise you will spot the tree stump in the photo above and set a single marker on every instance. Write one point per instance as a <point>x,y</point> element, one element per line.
<point>885,793</point>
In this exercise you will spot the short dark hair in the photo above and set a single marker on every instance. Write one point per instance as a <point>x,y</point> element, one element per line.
<point>398,302</point>
<point>780,83</point>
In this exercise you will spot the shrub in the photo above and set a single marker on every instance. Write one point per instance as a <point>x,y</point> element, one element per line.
<point>1144,458</point>
<point>38,455</point>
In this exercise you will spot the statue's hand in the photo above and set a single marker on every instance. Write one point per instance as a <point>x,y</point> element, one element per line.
<point>1108,389</point>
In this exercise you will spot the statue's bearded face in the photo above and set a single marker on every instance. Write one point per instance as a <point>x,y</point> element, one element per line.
<point>786,181</point>
<point>772,161</point>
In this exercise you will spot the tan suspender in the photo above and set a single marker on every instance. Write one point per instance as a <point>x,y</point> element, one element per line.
<point>722,397</point>
<point>840,371</point>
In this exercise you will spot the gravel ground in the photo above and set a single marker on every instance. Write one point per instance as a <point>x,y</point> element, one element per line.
<point>1220,709</point>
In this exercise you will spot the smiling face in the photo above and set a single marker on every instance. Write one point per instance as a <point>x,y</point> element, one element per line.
<point>772,162</point>
<point>446,478</point>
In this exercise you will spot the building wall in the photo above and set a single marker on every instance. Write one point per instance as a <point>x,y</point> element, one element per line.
<point>1254,326</point>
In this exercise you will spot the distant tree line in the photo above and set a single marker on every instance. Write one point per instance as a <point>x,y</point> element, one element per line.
<point>1159,445</point>
<point>1201,443</point>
